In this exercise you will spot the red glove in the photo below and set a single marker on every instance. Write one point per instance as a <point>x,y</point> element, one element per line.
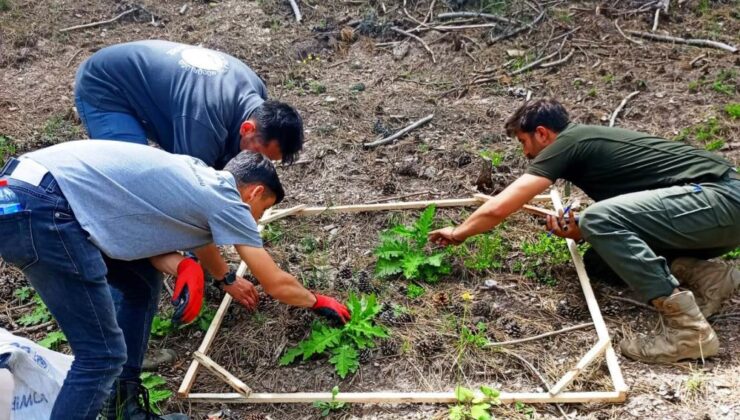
<point>188,295</point>
<point>330,308</point>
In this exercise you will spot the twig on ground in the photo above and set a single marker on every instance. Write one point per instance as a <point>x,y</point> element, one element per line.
<point>430,14</point>
<point>71,59</point>
<point>519,29</point>
<point>537,373</point>
<point>397,197</point>
<point>633,302</point>
<point>656,20</point>
<point>697,58</point>
<point>533,64</point>
<point>616,112</point>
<point>421,41</point>
<point>99,23</point>
<point>25,305</point>
<point>497,18</point>
<point>33,328</point>
<point>296,10</point>
<point>443,28</point>
<point>545,335</point>
<point>616,23</point>
<point>401,132</point>
<point>557,62</point>
<point>723,316</point>
<point>677,40</point>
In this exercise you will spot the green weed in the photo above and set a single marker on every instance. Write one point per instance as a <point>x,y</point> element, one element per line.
<point>23,293</point>
<point>496,158</point>
<point>272,233</point>
<point>402,251</point>
<point>316,88</point>
<point>327,407</point>
<point>704,7</point>
<point>58,129</point>
<point>714,145</point>
<point>609,78</point>
<point>343,344</point>
<point>53,340</point>
<point>414,291</point>
<point>483,252</point>
<point>732,255</point>
<point>709,133</point>
<point>733,110</point>
<point>38,315</point>
<point>4,5</point>
<point>7,148</point>
<point>152,383</point>
<point>527,410</point>
<point>476,338</point>
<point>540,257</point>
<point>592,93</point>
<point>472,406</point>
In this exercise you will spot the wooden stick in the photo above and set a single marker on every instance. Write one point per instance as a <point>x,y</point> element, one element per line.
<point>401,205</point>
<point>518,30</point>
<point>656,20</point>
<point>557,62</point>
<point>616,112</point>
<point>398,197</point>
<point>444,28</point>
<point>537,211</point>
<point>616,23</point>
<point>533,64</point>
<point>102,22</point>
<point>390,397</point>
<point>537,337</point>
<point>222,374</point>
<point>593,307</point>
<point>401,132</point>
<point>296,10</point>
<point>33,328</point>
<point>694,42</point>
<point>421,41</point>
<point>497,18</point>
<point>279,214</point>
<point>586,360</point>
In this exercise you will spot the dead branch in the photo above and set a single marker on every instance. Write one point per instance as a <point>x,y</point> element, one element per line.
<point>616,112</point>
<point>677,40</point>
<point>497,18</point>
<point>518,30</point>
<point>443,28</point>
<point>545,335</point>
<point>400,133</point>
<point>71,59</point>
<point>421,41</point>
<point>296,10</point>
<point>533,64</point>
<point>33,328</point>
<point>557,62</point>
<point>616,23</point>
<point>536,373</point>
<point>398,197</point>
<point>102,22</point>
<point>633,302</point>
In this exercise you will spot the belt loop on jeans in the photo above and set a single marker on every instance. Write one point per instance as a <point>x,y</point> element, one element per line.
<point>9,166</point>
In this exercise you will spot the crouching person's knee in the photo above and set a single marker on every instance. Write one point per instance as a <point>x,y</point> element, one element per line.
<point>596,219</point>
<point>105,363</point>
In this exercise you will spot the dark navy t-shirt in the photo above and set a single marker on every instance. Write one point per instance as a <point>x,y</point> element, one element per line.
<point>191,100</point>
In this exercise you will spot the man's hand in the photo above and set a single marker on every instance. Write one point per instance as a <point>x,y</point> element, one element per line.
<point>444,237</point>
<point>559,227</point>
<point>244,292</point>
<point>188,295</point>
<point>330,308</point>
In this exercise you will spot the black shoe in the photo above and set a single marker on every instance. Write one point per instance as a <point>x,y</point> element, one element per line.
<point>125,403</point>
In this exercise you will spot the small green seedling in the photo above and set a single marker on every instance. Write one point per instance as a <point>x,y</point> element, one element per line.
<point>53,340</point>
<point>474,407</point>
<point>733,110</point>
<point>732,255</point>
<point>414,291</point>
<point>152,384</point>
<point>526,410</point>
<point>23,293</point>
<point>327,407</point>
<point>496,158</point>
<point>477,338</point>
<point>40,313</point>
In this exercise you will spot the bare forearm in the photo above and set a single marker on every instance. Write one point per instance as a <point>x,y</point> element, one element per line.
<point>286,289</point>
<point>211,259</point>
<point>485,218</point>
<point>167,263</point>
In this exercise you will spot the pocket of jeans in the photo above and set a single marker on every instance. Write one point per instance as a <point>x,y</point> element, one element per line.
<point>689,209</point>
<point>16,243</point>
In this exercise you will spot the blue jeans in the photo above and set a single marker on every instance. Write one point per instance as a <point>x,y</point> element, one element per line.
<point>109,125</point>
<point>69,273</point>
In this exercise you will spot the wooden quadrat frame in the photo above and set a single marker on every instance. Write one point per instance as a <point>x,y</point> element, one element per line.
<point>556,394</point>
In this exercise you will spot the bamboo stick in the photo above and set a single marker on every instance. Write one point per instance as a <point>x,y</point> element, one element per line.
<point>222,374</point>
<point>389,397</point>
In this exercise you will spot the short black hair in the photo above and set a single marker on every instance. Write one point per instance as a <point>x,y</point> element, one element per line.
<point>281,122</point>
<point>545,112</point>
<point>254,168</point>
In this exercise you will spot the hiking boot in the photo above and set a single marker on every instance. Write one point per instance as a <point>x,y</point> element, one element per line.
<point>711,282</point>
<point>125,403</point>
<point>686,333</point>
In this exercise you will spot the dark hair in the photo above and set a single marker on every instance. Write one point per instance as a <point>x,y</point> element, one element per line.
<point>253,168</point>
<point>280,121</point>
<point>545,112</point>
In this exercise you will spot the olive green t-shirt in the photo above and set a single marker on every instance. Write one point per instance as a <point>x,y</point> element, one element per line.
<point>605,162</point>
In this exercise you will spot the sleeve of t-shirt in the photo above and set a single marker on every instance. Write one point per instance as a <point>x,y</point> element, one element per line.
<point>235,225</point>
<point>194,138</point>
<point>553,162</point>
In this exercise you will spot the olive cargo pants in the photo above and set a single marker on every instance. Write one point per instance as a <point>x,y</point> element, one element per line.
<point>634,233</point>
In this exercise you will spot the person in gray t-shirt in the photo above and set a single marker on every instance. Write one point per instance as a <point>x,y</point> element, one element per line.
<point>100,213</point>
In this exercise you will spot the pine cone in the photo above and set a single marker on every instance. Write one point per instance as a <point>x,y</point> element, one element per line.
<point>345,272</point>
<point>511,328</point>
<point>610,309</point>
<point>294,259</point>
<point>363,282</point>
<point>569,311</point>
<point>365,356</point>
<point>430,346</point>
<point>389,188</point>
<point>389,347</point>
<point>464,160</point>
<point>483,308</point>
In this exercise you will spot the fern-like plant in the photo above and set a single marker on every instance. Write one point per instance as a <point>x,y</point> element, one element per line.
<point>342,344</point>
<point>402,251</point>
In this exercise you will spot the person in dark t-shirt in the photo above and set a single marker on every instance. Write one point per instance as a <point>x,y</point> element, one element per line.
<point>655,198</point>
<point>187,99</point>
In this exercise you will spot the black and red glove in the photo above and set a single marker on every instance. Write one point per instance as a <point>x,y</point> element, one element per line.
<point>330,308</point>
<point>188,295</point>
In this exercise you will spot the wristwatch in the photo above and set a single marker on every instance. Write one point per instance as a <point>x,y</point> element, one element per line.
<point>228,280</point>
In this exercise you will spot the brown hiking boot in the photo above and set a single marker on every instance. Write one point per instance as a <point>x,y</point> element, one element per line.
<point>686,333</point>
<point>711,282</point>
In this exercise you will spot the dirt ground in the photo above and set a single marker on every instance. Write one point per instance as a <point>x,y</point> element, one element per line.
<point>355,79</point>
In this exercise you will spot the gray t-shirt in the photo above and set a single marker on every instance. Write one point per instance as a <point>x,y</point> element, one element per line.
<point>137,201</point>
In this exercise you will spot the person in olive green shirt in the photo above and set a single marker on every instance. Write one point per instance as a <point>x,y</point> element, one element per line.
<point>661,209</point>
